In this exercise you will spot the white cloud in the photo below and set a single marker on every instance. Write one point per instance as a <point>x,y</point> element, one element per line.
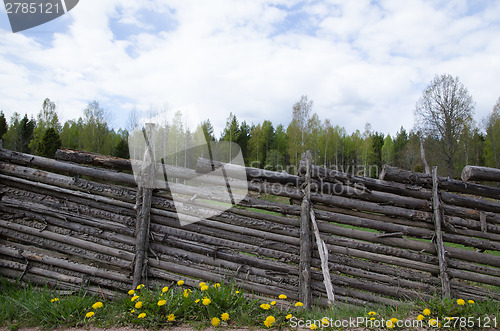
<point>358,62</point>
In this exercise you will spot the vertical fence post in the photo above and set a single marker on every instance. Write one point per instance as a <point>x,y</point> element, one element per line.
<point>143,206</point>
<point>305,293</point>
<point>438,219</point>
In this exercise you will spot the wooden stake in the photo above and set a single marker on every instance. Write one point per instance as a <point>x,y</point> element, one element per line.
<point>144,209</point>
<point>438,219</point>
<point>305,293</point>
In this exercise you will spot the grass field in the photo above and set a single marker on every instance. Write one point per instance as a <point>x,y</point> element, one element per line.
<point>219,305</point>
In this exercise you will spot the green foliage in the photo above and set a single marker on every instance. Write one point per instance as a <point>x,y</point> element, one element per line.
<point>46,118</point>
<point>34,306</point>
<point>50,143</point>
<point>492,140</point>
<point>3,125</point>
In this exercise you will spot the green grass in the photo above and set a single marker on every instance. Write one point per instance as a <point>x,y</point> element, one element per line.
<point>28,306</point>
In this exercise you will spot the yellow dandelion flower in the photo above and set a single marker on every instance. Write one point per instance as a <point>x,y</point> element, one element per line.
<point>141,315</point>
<point>461,302</point>
<point>237,292</point>
<point>215,321</point>
<point>269,321</point>
<point>216,285</point>
<point>372,318</point>
<point>202,284</point>
<point>89,314</point>
<point>273,303</point>
<point>427,312</point>
<point>165,289</point>
<point>162,302</point>
<point>394,320</point>
<point>289,316</point>
<point>131,292</point>
<point>138,305</point>
<point>420,317</point>
<point>265,306</point>
<point>299,304</point>
<point>132,311</point>
<point>204,288</point>
<point>186,293</point>
<point>206,301</point>
<point>282,296</point>
<point>97,305</point>
<point>54,300</point>
<point>325,321</point>
<point>140,286</point>
<point>224,316</point>
<point>180,282</point>
<point>171,317</point>
<point>197,300</point>
<point>389,324</point>
<point>471,301</point>
<point>433,322</point>
<point>313,326</point>
<point>135,297</point>
<point>372,313</point>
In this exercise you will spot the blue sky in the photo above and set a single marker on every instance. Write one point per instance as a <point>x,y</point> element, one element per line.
<point>359,61</point>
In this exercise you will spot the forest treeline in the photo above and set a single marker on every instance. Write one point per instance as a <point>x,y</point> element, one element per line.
<point>279,147</point>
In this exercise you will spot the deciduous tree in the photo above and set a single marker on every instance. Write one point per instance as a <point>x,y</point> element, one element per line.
<point>444,112</point>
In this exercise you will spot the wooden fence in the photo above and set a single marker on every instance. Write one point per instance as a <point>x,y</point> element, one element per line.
<point>408,236</point>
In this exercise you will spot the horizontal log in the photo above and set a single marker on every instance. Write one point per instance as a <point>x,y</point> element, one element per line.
<point>54,165</point>
<point>205,166</point>
<point>36,254</point>
<point>223,232</point>
<point>220,243</point>
<point>57,284</point>
<point>61,218</point>
<point>238,263</point>
<point>414,178</point>
<point>480,173</point>
<point>361,182</point>
<point>192,271</point>
<point>66,244</point>
<point>95,159</point>
<point>353,296</point>
<point>72,183</point>
<point>475,277</point>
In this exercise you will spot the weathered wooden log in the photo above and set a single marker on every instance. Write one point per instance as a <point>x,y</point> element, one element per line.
<point>414,178</point>
<point>453,224</point>
<point>366,222</point>
<point>72,183</point>
<point>192,271</point>
<point>475,277</point>
<point>54,165</point>
<point>205,166</point>
<point>191,253</point>
<point>48,214</point>
<point>220,243</point>
<point>31,253</point>
<point>305,294</point>
<point>398,282</point>
<point>353,296</point>
<point>356,283</point>
<point>83,157</point>
<point>209,230</point>
<point>384,269</point>
<point>59,192</point>
<point>480,173</point>
<point>438,219</point>
<point>18,231</point>
<point>47,281</point>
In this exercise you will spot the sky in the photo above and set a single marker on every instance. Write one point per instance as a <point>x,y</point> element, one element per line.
<point>358,60</point>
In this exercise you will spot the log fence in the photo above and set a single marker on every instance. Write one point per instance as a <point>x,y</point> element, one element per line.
<point>83,220</point>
